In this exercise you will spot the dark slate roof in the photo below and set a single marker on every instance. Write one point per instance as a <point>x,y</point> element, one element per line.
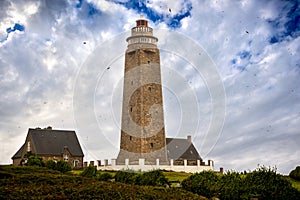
<point>53,142</point>
<point>181,149</point>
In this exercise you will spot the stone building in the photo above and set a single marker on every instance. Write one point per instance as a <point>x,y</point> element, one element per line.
<point>180,149</point>
<point>51,144</point>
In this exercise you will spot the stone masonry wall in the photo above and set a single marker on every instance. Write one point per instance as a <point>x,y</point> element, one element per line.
<point>143,133</point>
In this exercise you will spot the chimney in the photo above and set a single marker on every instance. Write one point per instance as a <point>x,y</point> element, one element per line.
<point>221,170</point>
<point>189,139</point>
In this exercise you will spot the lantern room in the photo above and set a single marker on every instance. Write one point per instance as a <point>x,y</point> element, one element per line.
<point>141,22</point>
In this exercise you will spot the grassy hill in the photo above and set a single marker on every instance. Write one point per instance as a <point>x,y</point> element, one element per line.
<point>42,183</point>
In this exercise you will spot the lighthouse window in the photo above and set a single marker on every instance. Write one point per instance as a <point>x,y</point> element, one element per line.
<point>130,109</point>
<point>28,146</point>
<point>149,89</point>
<point>151,145</point>
<point>148,61</point>
<point>130,138</point>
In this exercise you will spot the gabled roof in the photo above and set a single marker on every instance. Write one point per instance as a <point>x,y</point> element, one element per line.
<point>181,149</point>
<point>19,153</point>
<point>52,142</point>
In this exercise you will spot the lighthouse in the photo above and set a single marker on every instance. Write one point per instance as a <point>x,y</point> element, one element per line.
<point>142,125</point>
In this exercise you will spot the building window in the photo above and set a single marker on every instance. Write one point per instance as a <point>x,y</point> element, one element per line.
<point>151,145</point>
<point>149,89</point>
<point>76,163</point>
<point>66,157</point>
<point>130,108</point>
<point>130,138</point>
<point>28,146</point>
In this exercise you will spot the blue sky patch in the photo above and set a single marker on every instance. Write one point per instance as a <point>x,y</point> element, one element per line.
<point>17,26</point>
<point>172,21</point>
<point>293,25</point>
<point>244,55</point>
<point>79,4</point>
<point>273,40</point>
<point>233,61</point>
<point>92,10</point>
<point>241,68</point>
<point>290,28</point>
<point>88,8</point>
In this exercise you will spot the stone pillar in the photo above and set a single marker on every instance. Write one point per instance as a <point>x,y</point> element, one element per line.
<point>92,163</point>
<point>198,163</point>
<point>126,161</point>
<point>99,163</point>
<point>221,170</point>
<point>172,162</point>
<point>157,162</point>
<point>185,163</point>
<point>85,164</point>
<point>105,162</point>
<point>113,162</point>
<point>141,161</point>
<point>211,163</point>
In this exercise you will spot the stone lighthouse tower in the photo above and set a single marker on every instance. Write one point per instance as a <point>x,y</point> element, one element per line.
<point>143,131</point>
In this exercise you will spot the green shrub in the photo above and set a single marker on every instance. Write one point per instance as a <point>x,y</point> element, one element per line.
<point>63,166</point>
<point>126,176</point>
<point>295,174</point>
<point>206,183</point>
<point>231,186</point>
<point>90,172</point>
<point>153,178</point>
<point>34,160</point>
<point>50,164</point>
<point>265,183</point>
<point>104,176</point>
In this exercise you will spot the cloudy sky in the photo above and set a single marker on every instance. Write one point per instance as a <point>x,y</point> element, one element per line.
<point>61,65</point>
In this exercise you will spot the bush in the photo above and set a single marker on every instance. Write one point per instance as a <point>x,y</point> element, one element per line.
<point>63,166</point>
<point>295,174</point>
<point>153,178</point>
<point>104,176</point>
<point>33,160</point>
<point>50,164</point>
<point>263,183</point>
<point>127,176</point>
<point>90,172</point>
<point>231,186</point>
<point>205,183</point>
